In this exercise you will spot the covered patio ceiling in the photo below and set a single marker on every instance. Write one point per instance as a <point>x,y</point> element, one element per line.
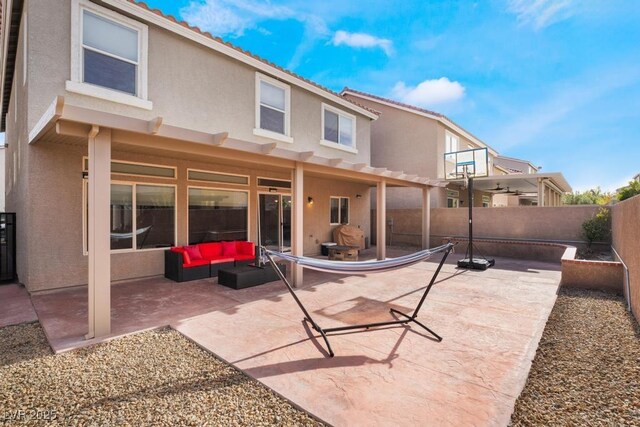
<point>524,183</point>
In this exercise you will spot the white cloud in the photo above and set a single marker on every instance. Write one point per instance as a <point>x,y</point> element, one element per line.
<point>429,93</point>
<point>231,18</point>
<point>362,40</point>
<point>541,13</point>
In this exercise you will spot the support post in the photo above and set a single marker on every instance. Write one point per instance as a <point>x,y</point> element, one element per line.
<point>426,216</point>
<point>541,188</point>
<point>470,202</point>
<point>381,216</point>
<point>99,308</point>
<point>297,238</point>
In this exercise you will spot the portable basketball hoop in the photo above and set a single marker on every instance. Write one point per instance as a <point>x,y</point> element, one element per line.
<point>467,165</point>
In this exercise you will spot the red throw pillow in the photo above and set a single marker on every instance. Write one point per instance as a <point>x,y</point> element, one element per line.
<point>193,252</point>
<point>210,250</point>
<point>228,248</point>
<point>246,248</point>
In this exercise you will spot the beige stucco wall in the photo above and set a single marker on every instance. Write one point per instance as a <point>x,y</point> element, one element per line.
<point>597,275</point>
<point>17,165</point>
<point>626,241</point>
<point>317,228</point>
<point>56,256</point>
<point>558,224</point>
<point>190,86</point>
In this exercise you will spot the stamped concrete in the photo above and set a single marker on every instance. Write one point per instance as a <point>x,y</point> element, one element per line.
<point>15,306</point>
<point>491,323</point>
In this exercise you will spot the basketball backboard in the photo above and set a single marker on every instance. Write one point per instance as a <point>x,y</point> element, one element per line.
<point>466,164</point>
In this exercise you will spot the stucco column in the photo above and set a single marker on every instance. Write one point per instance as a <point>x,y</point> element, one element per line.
<point>99,232</point>
<point>541,187</point>
<point>381,217</point>
<point>297,237</point>
<point>426,216</point>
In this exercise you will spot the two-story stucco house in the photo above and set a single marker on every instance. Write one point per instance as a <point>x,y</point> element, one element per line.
<point>129,132</point>
<point>415,140</point>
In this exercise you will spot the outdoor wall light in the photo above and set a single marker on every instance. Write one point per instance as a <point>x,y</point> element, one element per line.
<point>358,196</point>
<point>273,190</point>
<point>310,200</point>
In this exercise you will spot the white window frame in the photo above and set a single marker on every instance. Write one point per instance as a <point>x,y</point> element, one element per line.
<point>258,131</point>
<point>451,135</point>
<point>76,83</point>
<point>134,213</point>
<point>231,184</point>
<point>454,196</point>
<point>286,190</point>
<point>339,214</point>
<point>175,169</point>
<point>239,190</point>
<point>337,145</point>
<point>486,200</point>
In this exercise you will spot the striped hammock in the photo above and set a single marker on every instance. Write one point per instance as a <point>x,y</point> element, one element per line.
<point>358,267</point>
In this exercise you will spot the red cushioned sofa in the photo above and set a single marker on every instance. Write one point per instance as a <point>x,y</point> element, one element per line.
<point>184,263</point>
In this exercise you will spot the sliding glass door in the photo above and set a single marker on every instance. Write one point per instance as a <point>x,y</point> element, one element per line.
<point>274,216</point>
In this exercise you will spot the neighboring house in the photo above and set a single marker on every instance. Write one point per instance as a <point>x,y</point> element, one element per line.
<point>637,178</point>
<point>414,140</point>
<point>513,165</point>
<point>141,132</point>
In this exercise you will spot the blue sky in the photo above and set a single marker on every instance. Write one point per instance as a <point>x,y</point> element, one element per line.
<point>556,82</point>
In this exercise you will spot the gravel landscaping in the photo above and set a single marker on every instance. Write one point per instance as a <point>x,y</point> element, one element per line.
<point>587,367</point>
<point>151,378</point>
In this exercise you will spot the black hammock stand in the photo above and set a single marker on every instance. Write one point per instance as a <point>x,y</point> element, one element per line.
<point>358,268</point>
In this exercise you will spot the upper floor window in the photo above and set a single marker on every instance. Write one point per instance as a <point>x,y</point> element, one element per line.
<point>338,129</point>
<point>452,143</point>
<point>109,55</point>
<point>272,108</point>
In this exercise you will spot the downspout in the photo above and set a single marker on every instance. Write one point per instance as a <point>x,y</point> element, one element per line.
<point>626,275</point>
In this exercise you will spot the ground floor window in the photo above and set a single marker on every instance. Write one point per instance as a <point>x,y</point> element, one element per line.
<point>486,201</point>
<point>216,215</point>
<point>453,198</point>
<point>339,213</point>
<point>152,208</point>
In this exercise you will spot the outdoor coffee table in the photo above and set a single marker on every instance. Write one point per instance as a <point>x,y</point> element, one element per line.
<point>343,253</point>
<point>246,276</point>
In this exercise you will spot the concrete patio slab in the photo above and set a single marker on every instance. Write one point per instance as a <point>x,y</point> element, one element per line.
<point>15,306</point>
<point>491,323</point>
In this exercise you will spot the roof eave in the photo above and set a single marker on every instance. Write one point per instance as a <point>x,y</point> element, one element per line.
<point>10,33</point>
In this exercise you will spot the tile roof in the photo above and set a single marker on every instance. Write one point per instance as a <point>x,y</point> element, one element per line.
<point>245,52</point>
<point>392,101</point>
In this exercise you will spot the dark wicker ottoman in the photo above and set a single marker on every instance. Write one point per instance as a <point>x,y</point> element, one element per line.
<point>246,276</point>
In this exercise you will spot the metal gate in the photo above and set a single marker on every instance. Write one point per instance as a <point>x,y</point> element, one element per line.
<point>7,246</point>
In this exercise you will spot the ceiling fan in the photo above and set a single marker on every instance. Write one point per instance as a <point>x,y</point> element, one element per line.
<point>498,188</point>
<point>509,191</point>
